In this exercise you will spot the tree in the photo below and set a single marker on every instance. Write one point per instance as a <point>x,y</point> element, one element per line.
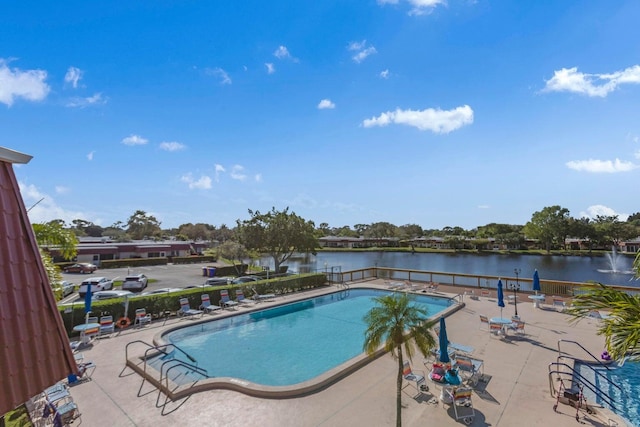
<point>141,225</point>
<point>380,230</point>
<point>550,226</point>
<point>278,234</point>
<point>53,235</point>
<point>395,322</point>
<point>233,251</point>
<point>410,231</point>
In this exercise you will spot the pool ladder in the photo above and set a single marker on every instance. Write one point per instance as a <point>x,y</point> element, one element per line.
<point>162,382</point>
<point>565,372</point>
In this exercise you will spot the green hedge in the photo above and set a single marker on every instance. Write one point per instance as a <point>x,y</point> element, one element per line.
<point>194,259</point>
<point>159,305</point>
<point>133,262</point>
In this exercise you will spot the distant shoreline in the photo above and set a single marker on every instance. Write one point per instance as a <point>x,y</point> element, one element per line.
<point>594,253</point>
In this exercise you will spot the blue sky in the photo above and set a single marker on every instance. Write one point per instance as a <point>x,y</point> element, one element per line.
<point>430,112</point>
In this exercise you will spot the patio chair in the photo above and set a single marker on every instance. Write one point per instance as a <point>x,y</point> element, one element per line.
<point>485,294</point>
<point>225,301</point>
<point>470,369</point>
<point>241,299</point>
<point>92,319</point>
<point>484,322</point>
<point>409,375</point>
<point>559,304</point>
<point>495,329</point>
<point>460,399</point>
<point>517,326</point>
<point>186,310</point>
<point>262,297</point>
<point>106,325</point>
<point>142,317</point>
<point>206,304</point>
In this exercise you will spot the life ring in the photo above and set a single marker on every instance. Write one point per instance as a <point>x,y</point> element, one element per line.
<point>123,322</point>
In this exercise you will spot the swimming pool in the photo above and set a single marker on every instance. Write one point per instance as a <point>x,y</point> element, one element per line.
<point>627,400</point>
<point>287,344</point>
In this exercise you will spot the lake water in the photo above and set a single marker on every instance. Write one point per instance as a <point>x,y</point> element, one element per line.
<point>568,268</point>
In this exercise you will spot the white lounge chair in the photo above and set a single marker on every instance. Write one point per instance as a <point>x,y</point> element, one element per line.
<point>225,301</point>
<point>186,310</point>
<point>142,317</point>
<point>206,304</point>
<point>241,299</point>
<point>460,399</point>
<point>106,325</point>
<point>409,375</point>
<point>262,297</point>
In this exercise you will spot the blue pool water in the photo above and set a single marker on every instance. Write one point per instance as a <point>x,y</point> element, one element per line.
<point>288,344</point>
<point>627,400</point>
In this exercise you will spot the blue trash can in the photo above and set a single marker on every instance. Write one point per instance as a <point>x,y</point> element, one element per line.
<point>212,271</point>
<point>204,271</point>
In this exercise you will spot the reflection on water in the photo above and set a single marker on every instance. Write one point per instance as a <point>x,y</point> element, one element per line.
<point>569,268</point>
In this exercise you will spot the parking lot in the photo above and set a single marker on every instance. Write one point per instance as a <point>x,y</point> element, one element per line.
<point>160,276</point>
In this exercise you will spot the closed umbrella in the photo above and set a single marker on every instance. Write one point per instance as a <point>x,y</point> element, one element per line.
<point>500,296</point>
<point>444,342</point>
<point>87,302</point>
<point>536,281</point>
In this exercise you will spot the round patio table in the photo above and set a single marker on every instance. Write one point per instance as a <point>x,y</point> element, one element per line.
<point>537,299</point>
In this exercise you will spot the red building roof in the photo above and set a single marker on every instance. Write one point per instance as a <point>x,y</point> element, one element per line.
<point>34,348</point>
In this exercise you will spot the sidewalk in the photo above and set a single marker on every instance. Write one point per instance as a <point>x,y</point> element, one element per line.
<point>516,393</point>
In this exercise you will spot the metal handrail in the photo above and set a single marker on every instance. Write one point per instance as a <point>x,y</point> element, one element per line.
<point>561,353</point>
<point>177,363</point>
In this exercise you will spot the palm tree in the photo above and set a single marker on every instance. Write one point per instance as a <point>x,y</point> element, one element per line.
<point>621,326</point>
<point>395,322</point>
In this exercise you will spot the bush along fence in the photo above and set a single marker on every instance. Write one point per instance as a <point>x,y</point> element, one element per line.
<point>164,305</point>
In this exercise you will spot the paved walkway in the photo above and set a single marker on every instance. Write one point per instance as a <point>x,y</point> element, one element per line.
<point>516,393</point>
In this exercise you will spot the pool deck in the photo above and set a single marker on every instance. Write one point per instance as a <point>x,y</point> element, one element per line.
<point>516,391</point>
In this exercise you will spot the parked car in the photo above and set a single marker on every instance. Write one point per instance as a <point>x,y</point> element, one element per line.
<point>100,295</point>
<point>97,284</point>
<point>218,281</point>
<point>245,279</point>
<point>80,267</point>
<point>162,291</point>
<point>66,288</point>
<point>135,283</point>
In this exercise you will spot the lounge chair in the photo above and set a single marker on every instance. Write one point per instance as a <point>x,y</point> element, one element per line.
<point>396,285</point>
<point>262,297</point>
<point>495,329</point>
<point>142,317</point>
<point>470,369</point>
<point>242,300</point>
<point>225,301</point>
<point>409,375</point>
<point>106,325</point>
<point>460,399</point>
<point>206,304</point>
<point>186,310</point>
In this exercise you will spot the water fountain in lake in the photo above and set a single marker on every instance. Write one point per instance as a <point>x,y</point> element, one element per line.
<point>614,264</point>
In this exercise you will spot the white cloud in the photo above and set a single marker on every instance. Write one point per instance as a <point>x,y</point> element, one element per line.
<point>96,99</point>
<point>134,140</point>
<point>237,173</point>
<point>90,156</point>
<point>419,7</point>
<point>258,177</point>
<point>435,120</point>
<point>61,189</point>
<point>326,104</point>
<point>73,76</point>
<point>221,74</point>
<point>571,80</point>
<point>384,74</point>
<point>270,68</point>
<point>219,169</point>
<point>483,206</point>
<point>362,52</point>
<point>283,53</point>
<point>15,83</point>
<point>203,183</point>
<point>594,211</point>
<point>172,146</point>
<point>43,208</point>
<point>601,166</point>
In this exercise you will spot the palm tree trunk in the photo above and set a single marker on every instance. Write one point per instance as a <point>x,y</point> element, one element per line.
<point>399,391</point>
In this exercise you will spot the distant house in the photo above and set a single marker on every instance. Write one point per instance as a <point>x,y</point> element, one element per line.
<point>97,249</point>
<point>357,242</point>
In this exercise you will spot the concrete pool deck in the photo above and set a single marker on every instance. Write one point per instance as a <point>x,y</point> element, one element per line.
<point>516,393</point>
